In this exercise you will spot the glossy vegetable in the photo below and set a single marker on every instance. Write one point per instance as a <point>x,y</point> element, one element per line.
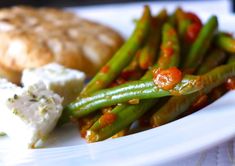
<point>130,88</point>
<point>133,90</point>
<point>122,57</point>
<point>169,55</point>
<point>149,51</point>
<point>177,105</point>
<point>126,114</point>
<point>188,27</point>
<point>118,62</point>
<point>225,42</point>
<point>216,57</point>
<point>201,45</point>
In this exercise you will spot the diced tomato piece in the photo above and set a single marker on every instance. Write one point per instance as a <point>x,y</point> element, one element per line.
<point>192,32</point>
<point>194,18</point>
<point>167,79</point>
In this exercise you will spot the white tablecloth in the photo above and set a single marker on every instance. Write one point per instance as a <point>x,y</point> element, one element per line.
<point>221,155</point>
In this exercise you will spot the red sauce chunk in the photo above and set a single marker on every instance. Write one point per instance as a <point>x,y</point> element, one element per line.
<point>192,32</point>
<point>230,84</point>
<point>167,51</point>
<point>193,17</point>
<point>105,69</point>
<point>167,79</point>
<point>107,119</point>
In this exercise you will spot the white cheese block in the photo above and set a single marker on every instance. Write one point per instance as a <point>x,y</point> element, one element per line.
<point>28,115</point>
<point>7,90</point>
<point>63,81</point>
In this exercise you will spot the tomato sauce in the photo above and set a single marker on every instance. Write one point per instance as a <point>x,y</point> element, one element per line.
<point>167,51</point>
<point>105,69</point>
<point>201,102</point>
<point>107,119</point>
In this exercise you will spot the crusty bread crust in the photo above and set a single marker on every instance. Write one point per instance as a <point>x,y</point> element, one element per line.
<point>10,74</point>
<point>34,37</point>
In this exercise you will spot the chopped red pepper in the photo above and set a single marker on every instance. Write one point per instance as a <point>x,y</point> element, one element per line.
<point>167,79</point>
<point>107,119</point>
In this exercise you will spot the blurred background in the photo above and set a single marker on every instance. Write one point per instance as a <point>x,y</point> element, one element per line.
<point>73,3</point>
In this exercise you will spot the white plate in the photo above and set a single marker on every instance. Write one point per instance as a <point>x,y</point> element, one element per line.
<point>199,131</point>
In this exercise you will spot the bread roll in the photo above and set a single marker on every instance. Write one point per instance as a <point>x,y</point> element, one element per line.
<point>33,37</point>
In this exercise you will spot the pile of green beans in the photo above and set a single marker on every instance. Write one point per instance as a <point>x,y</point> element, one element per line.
<point>199,52</point>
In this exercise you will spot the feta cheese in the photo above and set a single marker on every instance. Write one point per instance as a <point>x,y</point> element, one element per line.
<point>7,90</point>
<point>63,81</point>
<point>29,114</point>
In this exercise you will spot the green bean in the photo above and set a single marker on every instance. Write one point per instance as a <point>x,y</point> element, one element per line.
<point>212,80</point>
<point>148,53</point>
<point>169,47</point>
<point>118,62</point>
<point>201,45</point>
<point>177,105</point>
<point>217,56</point>
<point>225,42</point>
<point>161,17</point>
<point>182,23</point>
<point>172,19</point>
<point>231,59</point>
<point>126,114</point>
<point>122,57</point>
<point>137,90</point>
